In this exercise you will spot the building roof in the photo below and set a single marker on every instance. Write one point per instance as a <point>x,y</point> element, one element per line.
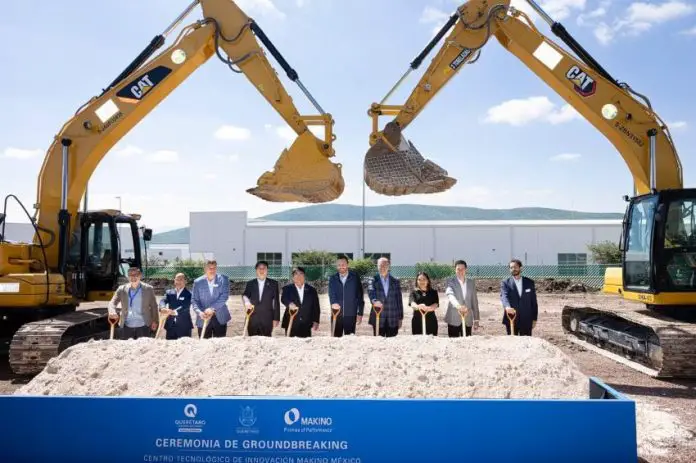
<point>435,223</point>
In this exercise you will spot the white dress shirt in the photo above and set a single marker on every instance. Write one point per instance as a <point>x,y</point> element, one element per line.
<point>300,289</point>
<point>261,283</point>
<point>518,283</point>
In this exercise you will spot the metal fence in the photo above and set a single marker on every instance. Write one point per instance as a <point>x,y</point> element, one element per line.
<point>591,275</point>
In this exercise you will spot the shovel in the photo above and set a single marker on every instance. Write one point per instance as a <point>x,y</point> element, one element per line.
<point>293,312</point>
<point>394,167</point>
<point>512,322</point>
<point>302,173</point>
<point>462,314</point>
<point>423,312</point>
<point>205,325</point>
<point>334,314</point>
<point>162,319</point>
<point>113,327</point>
<point>378,310</point>
<point>246,322</point>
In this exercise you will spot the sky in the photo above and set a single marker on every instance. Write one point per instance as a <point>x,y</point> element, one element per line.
<point>507,137</point>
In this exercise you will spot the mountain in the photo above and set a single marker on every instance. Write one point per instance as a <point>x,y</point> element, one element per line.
<point>341,212</point>
<point>348,212</point>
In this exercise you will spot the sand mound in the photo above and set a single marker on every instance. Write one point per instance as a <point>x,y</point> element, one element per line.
<point>352,366</point>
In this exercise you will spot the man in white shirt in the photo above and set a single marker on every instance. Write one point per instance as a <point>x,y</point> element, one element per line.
<point>263,294</point>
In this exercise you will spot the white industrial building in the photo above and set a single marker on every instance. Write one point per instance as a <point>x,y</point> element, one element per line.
<point>233,240</point>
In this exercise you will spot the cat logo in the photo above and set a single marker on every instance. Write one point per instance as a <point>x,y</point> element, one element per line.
<point>582,82</point>
<point>138,88</point>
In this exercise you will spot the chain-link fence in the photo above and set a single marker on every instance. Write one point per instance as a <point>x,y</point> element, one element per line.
<point>590,275</point>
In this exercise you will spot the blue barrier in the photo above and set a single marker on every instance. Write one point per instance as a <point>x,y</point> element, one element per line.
<point>298,430</point>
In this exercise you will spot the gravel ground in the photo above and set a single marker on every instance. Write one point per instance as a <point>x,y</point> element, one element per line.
<point>674,399</point>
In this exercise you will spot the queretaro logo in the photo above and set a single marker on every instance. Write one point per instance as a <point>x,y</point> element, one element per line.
<point>247,420</point>
<point>295,421</point>
<point>190,423</point>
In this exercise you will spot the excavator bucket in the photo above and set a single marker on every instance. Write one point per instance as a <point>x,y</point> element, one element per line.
<point>303,173</point>
<point>404,171</point>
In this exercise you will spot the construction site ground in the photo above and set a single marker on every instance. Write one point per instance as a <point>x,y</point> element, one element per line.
<point>677,397</point>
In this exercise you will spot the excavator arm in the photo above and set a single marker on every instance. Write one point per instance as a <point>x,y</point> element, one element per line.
<point>303,173</point>
<point>393,166</point>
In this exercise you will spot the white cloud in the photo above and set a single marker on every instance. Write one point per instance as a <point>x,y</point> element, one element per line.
<point>127,151</point>
<point>227,157</point>
<point>677,125</point>
<point>260,7</point>
<point>561,9</point>
<point>19,153</point>
<point>563,157</point>
<point>231,132</point>
<point>164,157</point>
<point>518,112</point>
<point>210,176</point>
<point>691,31</point>
<point>431,15</point>
<point>598,12</point>
<point>640,17</point>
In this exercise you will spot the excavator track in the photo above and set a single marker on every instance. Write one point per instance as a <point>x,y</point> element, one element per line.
<point>35,343</point>
<point>665,345</point>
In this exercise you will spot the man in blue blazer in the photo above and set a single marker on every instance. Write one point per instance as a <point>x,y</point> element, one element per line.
<point>179,323</point>
<point>385,292</point>
<point>346,294</point>
<point>518,296</point>
<point>303,297</point>
<point>209,301</point>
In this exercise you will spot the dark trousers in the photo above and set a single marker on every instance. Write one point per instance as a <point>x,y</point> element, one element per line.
<point>430,323</point>
<point>386,331</point>
<point>259,327</point>
<point>518,331</point>
<point>456,331</point>
<point>344,325</point>
<point>300,331</point>
<point>214,329</point>
<point>135,333</point>
<point>179,330</point>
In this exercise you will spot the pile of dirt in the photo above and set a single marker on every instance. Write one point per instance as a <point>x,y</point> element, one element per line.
<point>402,367</point>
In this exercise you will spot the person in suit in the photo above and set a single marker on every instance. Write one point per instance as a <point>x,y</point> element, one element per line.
<point>306,299</point>
<point>385,292</point>
<point>461,296</point>
<point>519,299</point>
<point>264,294</point>
<point>424,298</point>
<point>138,315</point>
<point>346,294</point>
<point>209,301</point>
<point>177,305</point>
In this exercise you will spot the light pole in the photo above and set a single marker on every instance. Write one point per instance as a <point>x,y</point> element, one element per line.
<point>362,244</point>
<point>119,203</point>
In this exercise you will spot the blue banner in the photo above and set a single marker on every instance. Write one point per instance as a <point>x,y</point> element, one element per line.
<point>299,430</point>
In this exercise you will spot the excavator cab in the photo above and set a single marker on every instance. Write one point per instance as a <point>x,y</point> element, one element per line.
<point>659,248</point>
<point>106,244</point>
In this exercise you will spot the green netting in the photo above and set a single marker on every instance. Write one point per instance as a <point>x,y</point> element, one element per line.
<point>590,275</point>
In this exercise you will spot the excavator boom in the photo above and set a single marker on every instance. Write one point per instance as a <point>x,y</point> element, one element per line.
<point>631,126</point>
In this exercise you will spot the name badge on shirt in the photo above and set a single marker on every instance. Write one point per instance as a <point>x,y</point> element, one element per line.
<point>215,285</point>
<point>527,290</point>
<point>181,298</point>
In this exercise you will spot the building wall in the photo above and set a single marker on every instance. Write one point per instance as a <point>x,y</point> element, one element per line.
<point>232,240</point>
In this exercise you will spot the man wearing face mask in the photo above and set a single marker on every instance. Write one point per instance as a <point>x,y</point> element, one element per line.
<point>519,300</point>
<point>304,299</point>
<point>346,295</point>
<point>138,314</point>
<point>264,294</point>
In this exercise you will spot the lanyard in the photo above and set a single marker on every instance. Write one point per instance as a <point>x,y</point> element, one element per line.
<point>131,297</point>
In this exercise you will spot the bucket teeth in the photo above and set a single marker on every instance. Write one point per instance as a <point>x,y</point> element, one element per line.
<point>402,172</point>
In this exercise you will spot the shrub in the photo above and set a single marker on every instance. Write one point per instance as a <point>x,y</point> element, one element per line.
<point>434,270</point>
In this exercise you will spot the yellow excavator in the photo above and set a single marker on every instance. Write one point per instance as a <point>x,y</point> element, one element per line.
<point>80,256</point>
<point>652,329</point>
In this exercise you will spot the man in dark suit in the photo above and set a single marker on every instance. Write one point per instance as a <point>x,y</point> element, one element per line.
<point>385,293</point>
<point>305,299</point>
<point>519,299</point>
<point>264,294</point>
<point>346,295</point>
<point>177,303</point>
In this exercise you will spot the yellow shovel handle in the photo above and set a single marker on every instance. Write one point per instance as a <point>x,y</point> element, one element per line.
<point>205,325</point>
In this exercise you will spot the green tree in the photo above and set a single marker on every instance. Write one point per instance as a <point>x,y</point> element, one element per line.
<point>605,252</point>
<point>434,270</point>
<point>318,264</point>
<point>363,267</point>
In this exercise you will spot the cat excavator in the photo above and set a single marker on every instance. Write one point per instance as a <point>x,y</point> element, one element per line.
<point>650,327</point>
<point>80,256</point>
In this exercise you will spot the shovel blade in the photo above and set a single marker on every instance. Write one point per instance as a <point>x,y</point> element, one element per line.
<point>302,173</point>
<point>404,171</point>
